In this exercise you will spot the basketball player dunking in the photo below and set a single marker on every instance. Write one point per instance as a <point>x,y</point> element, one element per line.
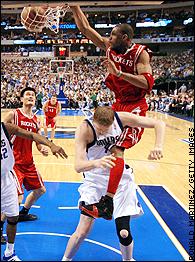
<point>24,169</point>
<point>51,110</point>
<point>130,78</point>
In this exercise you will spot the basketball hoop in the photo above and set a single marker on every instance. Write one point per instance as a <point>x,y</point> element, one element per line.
<point>61,75</point>
<point>53,16</point>
<point>34,19</point>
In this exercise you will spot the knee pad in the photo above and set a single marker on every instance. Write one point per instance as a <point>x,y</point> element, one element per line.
<point>122,223</point>
<point>12,223</point>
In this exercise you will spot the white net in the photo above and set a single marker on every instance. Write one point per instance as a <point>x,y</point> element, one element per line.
<point>34,19</point>
<point>53,16</point>
<point>61,72</point>
<point>58,66</point>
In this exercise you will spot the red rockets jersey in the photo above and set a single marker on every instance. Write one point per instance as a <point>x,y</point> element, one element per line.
<point>124,91</point>
<point>51,110</point>
<point>22,148</point>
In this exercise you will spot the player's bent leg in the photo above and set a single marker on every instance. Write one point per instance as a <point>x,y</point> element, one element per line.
<point>52,133</point>
<point>9,254</point>
<point>117,171</point>
<point>125,237</point>
<point>30,200</point>
<point>82,230</point>
<point>104,208</point>
<point>3,218</point>
<point>11,228</point>
<point>45,131</point>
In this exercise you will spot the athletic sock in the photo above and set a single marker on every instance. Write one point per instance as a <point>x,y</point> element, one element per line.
<point>24,211</point>
<point>115,175</point>
<point>9,249</point>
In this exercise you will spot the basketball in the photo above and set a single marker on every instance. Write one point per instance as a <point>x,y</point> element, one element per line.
<point>33,18</point>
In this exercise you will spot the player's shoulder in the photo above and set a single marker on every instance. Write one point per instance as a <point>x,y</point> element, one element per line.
<point>82,131</point>
<point>86,126</point>
<point>10,116</point>
<point>35,117</point>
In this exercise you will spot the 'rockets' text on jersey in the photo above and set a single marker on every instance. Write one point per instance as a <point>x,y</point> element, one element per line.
<point>22,147</point>
<point>125,91</point>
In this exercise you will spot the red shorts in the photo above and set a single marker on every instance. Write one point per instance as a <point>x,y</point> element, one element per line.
<point>131,135</point>
<point>28,176</point>
<point>50,121</point>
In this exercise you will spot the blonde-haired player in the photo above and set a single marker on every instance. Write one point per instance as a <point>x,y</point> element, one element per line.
<point>94,139</point>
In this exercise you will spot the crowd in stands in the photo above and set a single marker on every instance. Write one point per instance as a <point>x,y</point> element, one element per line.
<point>173,67</point>
<point>86,88</point>
<point>83,89</point>
<point>177,102</point>
<point>115,17</point>
<point>175,28</point>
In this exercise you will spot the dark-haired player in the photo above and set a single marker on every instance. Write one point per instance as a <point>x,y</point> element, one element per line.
<point>24,168</point>
<point>130,78</point>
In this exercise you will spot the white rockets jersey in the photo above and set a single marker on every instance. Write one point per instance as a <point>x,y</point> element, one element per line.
<point>7,157</point>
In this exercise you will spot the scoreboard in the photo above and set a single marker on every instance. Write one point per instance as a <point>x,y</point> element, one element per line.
<point>62,51</point>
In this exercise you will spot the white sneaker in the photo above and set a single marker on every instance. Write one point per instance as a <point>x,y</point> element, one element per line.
<point>132,259</point>
<point>66,259</point>
<point>13,257</point>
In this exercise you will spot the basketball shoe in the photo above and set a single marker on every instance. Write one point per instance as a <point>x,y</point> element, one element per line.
<point>27,217</point>
<point>13,257</point>
<point>104,208</point>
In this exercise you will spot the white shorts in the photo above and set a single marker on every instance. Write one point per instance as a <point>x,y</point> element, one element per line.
<point>125,200</point>
<point>9,196</point>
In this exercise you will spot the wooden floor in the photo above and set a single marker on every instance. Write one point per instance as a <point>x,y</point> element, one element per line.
<point>171,171</point>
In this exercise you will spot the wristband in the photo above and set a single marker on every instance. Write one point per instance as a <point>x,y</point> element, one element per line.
<point>119,73</point>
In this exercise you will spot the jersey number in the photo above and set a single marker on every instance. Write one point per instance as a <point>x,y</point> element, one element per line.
<point>29,129</point>
<point>4,153</point>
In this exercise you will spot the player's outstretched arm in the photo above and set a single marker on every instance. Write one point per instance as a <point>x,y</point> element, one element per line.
<point>85,28</point>
<point>133,120</point>
<point>15,130</point>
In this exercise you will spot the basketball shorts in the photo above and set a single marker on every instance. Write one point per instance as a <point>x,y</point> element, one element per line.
<point>125,200</point>
<point>130,135</point>
<point>50,121</point>
<point>9,195</point>
<point>28,176</point>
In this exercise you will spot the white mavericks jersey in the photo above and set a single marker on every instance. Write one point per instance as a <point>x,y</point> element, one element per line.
<point>101,145</point>
<point>7,157</point>
<point>96,180</point>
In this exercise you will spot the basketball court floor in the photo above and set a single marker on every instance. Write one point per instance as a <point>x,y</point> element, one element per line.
<point>161,234</point>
